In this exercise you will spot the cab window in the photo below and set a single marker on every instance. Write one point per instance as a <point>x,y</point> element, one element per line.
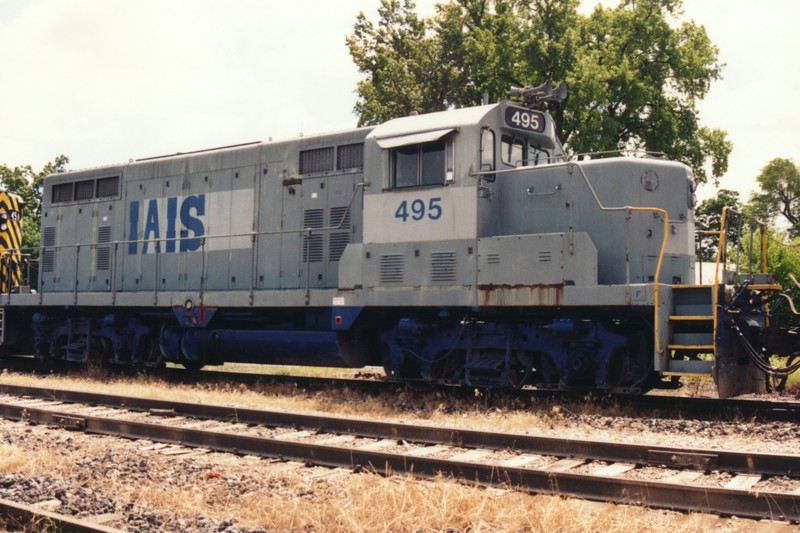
<point>487,149</point>
<point>423,164</point>
<point>513,151</point>
<point>538,156</point>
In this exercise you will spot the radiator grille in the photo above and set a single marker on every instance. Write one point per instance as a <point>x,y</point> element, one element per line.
<point>350,156</point>
<point>108,187</point>
<point>84,190</point>
<point>316,160</point>
<point>62,193</point>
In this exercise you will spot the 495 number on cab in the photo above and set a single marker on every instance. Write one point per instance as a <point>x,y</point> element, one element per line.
<point>418,209</point>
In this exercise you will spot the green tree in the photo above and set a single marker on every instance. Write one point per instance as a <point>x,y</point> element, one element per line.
<point>779,194</point>
<point>396,54</point>
<point>28,184</point>
<point>635,72</point>
<point>708,217</point>
<point>783,260</point>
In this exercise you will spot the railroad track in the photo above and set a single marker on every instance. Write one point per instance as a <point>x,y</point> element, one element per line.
<point>714,481</point>
<point>683,407</point>
<point>19,517</point>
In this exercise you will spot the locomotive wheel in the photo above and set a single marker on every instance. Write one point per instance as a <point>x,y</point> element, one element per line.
<point>618,367</point>
<point>192,366</point>
<point>407,370</point>
<point>357,348</point>
<point>547,372</point>
<point>521,369</point>
<point>149,355</point>
<point>386,361</point>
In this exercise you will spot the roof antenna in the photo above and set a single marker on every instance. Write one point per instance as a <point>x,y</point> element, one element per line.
<point>545,92</point>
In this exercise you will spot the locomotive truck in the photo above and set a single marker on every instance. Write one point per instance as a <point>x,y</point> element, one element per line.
<point>462,246</point>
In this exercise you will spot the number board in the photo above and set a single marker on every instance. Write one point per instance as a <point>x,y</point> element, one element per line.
<point>525,119</point>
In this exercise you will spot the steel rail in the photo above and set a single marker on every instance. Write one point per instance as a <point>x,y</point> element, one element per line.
<point>681,457</point>
<point>28,516</point>
<point>768,505</point>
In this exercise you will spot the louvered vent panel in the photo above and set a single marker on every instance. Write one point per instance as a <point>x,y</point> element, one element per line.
<point>392,267</point>
<point>337,242</point>
<point>48,256</point>
<point>313,246</point>
<point>49,236</point>
<point>339,217</point>
<point>48,261</point>
<point>443,266</point>
<point>313,218</point>
<point>103,257</point>
<point>545,256</point>
<point>493,258</point>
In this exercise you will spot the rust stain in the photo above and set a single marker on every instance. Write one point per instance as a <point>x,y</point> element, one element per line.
<point>500,295</point>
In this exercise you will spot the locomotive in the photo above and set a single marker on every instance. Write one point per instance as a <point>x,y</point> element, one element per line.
<point>462,246</point>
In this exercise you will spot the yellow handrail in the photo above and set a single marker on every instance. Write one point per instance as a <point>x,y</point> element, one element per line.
<point>722,258</point>
<point>720,254</point>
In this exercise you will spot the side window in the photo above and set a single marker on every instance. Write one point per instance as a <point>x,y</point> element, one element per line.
<point>433,166</point>
<point>422,164</point>
<point>487,150</point>
<point>538,156</point>
<point>513,151</point>
<point>405,166</point>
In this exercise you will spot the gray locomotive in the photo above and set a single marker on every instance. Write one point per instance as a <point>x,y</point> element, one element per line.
<point>462,246</point>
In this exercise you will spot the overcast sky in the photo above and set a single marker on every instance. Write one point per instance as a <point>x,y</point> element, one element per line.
<point>104,81</point>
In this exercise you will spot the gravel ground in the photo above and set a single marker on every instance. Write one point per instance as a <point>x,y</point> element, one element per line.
<point>118,462</point>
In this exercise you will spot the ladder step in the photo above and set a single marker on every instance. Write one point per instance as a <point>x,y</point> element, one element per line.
<point>679,367</point>
<point>695,318</point>
<point>765,287</point>
<point>696,309</point>
<point>485,381</point>
<point>485,361</point>
<point>690,347</point>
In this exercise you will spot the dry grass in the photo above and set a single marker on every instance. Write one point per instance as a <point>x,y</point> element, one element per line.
<point>364,502</point>
<point>478,412</point>
<point>33,462</point>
